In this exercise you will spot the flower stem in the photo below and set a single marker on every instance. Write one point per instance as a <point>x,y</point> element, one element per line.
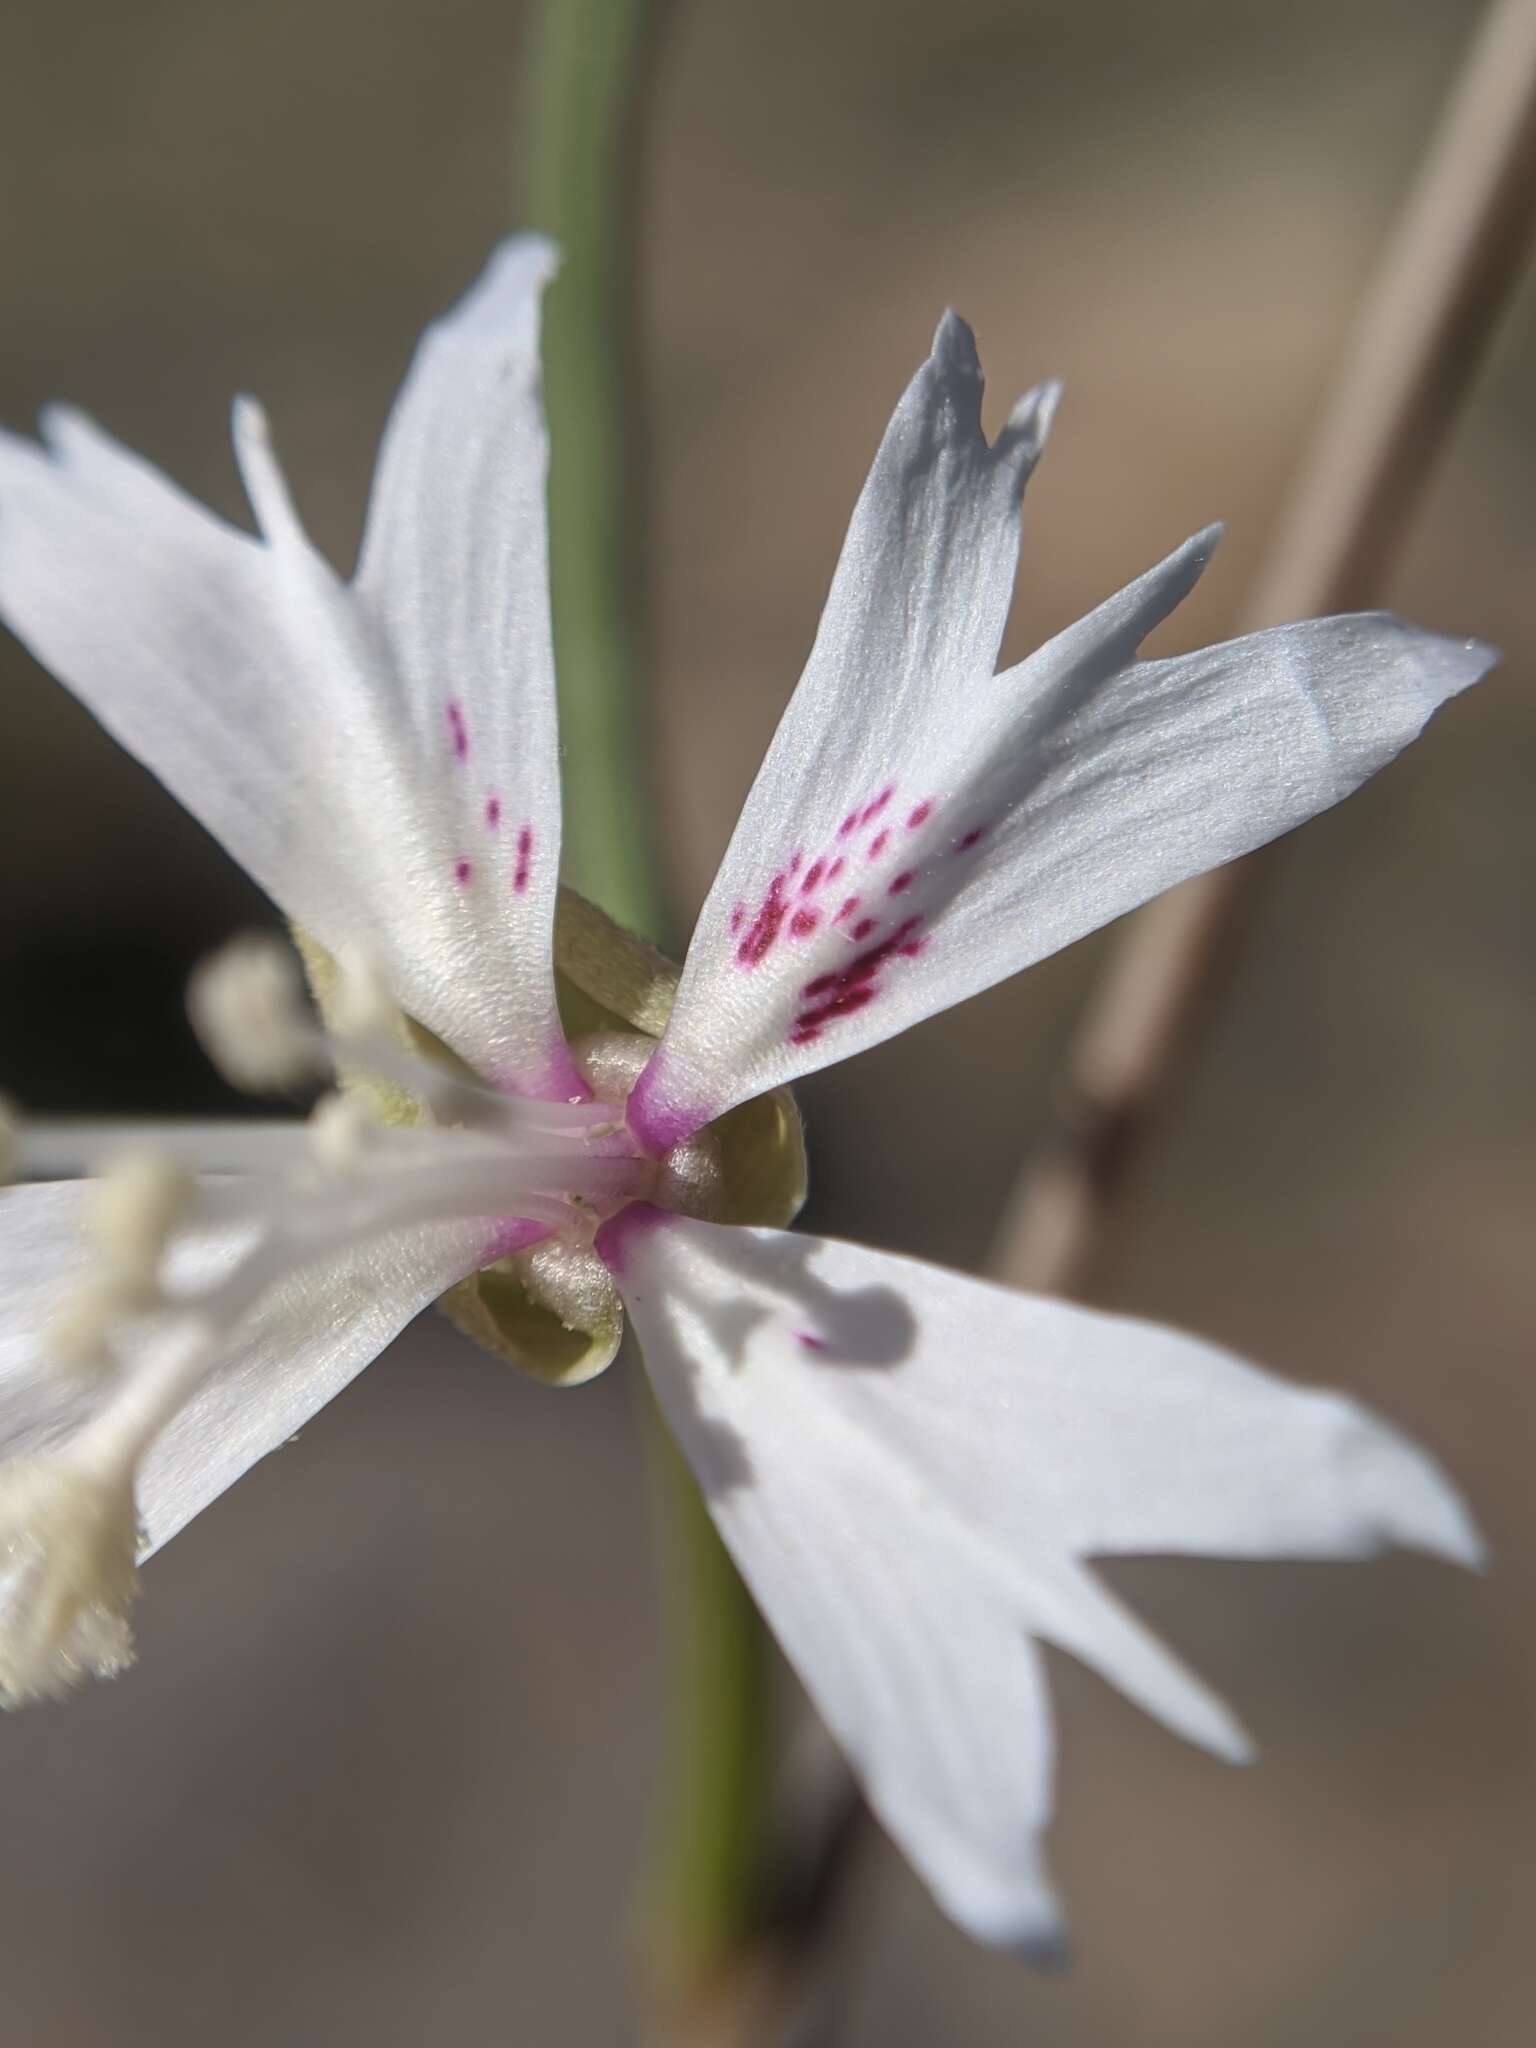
<point>704,1895</point>
<point>586,103</point>
<point>703,1891</point>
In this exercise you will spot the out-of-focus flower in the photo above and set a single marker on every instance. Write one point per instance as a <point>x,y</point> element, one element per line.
<point>911,1468</point>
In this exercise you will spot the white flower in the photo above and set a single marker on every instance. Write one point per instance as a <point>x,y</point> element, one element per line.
<point>910,1468</point>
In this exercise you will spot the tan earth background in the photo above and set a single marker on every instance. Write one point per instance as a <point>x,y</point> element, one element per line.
<point>383,1774</point>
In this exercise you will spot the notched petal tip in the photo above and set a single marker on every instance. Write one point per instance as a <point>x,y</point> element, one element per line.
<point>1203,545</point>
<point>64,428</point>
<point>1173,578</point>
<point>1029,424</point>
<point>1014,1910</point>
<point>954,346</point>
<point>1397,1494</point>
<point>1417,1506</point>
<point>1046,1946</point>
<point>248,420</point>
<point>261,474</point>
<point>518,269</point>
<point>1447,664</point>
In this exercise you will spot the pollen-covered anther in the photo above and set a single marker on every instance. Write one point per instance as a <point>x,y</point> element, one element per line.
<point>361,1005</point>
<point>246,1003</point>
<point>68,1542</point>
<point>339,1130</point>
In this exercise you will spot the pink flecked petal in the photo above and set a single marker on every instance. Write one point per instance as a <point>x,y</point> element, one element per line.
<point>1004,815</point>
<point>339,739</point>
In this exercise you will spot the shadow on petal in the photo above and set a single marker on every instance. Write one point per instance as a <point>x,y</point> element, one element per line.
<point>739,1311</point>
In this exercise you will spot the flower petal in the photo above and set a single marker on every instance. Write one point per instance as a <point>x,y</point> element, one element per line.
<point>300,1347</point>
<point>264,693</point>
<point>909,1468</point>
<point>922,827</point>
<point>454,576</point>
<point>40,1254</point>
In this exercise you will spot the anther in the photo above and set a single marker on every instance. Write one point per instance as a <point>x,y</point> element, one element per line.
<point>68,1542</point>
<point>131,1211</point>
<point>338,1133</point>
<point>247,1007</point>
<point>362,1006</point>
<point>132,1208</point>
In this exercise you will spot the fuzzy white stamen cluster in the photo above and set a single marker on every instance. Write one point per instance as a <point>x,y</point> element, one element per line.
<point>68,1540</point>
<point>68,1532</point>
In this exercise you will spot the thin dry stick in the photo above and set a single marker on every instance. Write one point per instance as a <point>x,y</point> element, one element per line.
<point>1447,275</point>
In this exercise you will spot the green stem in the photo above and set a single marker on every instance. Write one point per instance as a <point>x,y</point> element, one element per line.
<point>585,106</point>
<point>703,1893</point>
<point>703,1896</point>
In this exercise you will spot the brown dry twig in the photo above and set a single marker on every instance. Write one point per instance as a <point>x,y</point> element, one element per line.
<point>1446,277</point>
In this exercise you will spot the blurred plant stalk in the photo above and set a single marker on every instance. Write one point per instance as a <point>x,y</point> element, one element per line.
<point>583,119</point>
<point>1447,275</point>
<point>702,1896</point>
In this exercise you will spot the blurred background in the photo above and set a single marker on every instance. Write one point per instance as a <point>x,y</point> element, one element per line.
<point>384,1771</point>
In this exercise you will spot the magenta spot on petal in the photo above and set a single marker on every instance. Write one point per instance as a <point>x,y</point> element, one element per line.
<point>738,917</point>
<point>764,928</point>
<point>812,876</point>
<point>878,804</point>
<point>864,927</point>
<point>794,862</point>
<point>848,906</point>
<point>462,872</point>
<point>811,1341</point>
<point>493,811</point>
<point>836,868</point>
<point>920,814</point>
<point>902,883</point>
<point>524,859</point>
<point>965,844</point>
<point>912,948</point>
<point>803,923</point>
<point>851,988</point>
<point>848,824</point>
<point>458,731</point>
<point>878,844</point>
